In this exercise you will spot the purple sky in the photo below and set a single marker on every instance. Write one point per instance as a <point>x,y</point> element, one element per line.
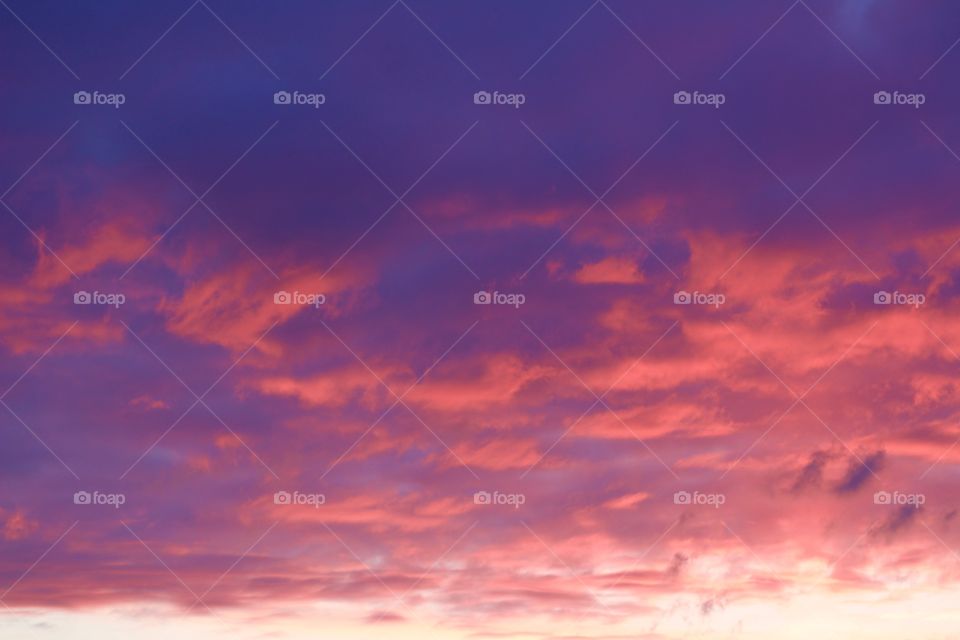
<point>701,357</point>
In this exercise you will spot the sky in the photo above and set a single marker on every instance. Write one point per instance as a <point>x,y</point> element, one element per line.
<point>479,320</point>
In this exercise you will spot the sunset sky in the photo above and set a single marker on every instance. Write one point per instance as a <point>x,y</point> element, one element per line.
<point>487,320</point>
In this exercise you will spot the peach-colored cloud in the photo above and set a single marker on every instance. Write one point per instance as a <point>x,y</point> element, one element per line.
<point>235,307</point>
<point>611,270</point>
